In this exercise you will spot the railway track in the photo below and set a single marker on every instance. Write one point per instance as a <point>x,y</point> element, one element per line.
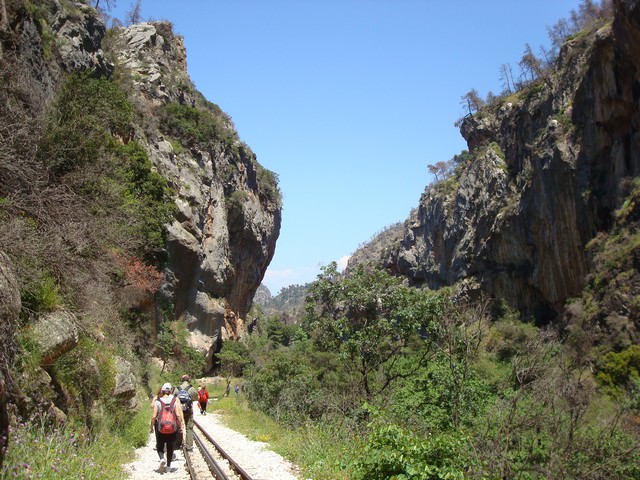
<point>221,465</point>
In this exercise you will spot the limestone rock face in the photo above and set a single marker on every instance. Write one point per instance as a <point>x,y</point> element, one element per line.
<point>550,166</point>
<point>227,219</point>
<point>74,33</point>
<point>125,381</point>
<point>56,333</point>
<point>80,32</point>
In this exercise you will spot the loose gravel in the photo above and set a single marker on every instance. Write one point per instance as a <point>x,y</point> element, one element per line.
<point>254,457</point>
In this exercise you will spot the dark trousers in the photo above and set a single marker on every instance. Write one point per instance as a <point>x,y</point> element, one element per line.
<point>167,440</point>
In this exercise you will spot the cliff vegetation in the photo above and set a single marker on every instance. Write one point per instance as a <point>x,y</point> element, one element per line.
<point>126,201</point>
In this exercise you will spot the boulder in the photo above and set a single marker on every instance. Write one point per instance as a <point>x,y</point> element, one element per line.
<point>125,380</point>
<point>56,333</point>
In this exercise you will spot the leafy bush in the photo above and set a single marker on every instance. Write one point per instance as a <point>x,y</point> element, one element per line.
<point>438,397</point>
<point>284,388</point>
<point>394,452</point>
<point>233,358</point>
<point>372,320</point>
<point>86,373</point>
<point>193,125</point>
<point>144,196</point>
<point>268,186</point>
<point>88,112</point>
<point>42,295</point>
<point>620,369</point>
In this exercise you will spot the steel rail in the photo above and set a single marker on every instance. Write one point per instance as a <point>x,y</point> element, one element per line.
<point>187,458</point>
<point>234,465</point>
<point>215,469</point>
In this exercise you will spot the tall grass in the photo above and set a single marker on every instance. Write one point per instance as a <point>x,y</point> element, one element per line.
<point>38,448</point>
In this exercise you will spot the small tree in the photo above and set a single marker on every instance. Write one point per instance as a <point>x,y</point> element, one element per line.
<point>472,100</point>
<point>506,77</point>
<point>109,4</point>
<point>530,64</point>
<point>440,170</point>
<point>165,346</point>
<point>371,319</point>
<point>234,357</point>
<point>134,15</point>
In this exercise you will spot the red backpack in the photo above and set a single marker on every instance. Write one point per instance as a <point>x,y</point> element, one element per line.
<point>167,419</point>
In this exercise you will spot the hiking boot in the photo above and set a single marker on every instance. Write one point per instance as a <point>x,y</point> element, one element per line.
<point>175,457</point>
<point>163,467</point>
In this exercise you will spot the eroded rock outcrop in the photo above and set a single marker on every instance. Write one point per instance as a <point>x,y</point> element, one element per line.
<point>55,333</point>
<point>549,166</point>
<point>125,381</point>
<point>228,206</point>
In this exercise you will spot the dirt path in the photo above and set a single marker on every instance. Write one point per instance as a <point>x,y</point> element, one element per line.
<point>254,457</point>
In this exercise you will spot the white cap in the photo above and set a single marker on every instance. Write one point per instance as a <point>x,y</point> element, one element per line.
<point>166,387</point>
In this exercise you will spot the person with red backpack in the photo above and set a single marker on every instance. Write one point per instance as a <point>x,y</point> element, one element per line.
<point>203,399</point>
<point>168,421</point>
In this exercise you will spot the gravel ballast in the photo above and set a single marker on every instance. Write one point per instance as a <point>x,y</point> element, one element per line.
<point>254,457</point>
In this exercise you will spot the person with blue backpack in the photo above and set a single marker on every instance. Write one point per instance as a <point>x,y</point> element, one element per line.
<point>187,396</point>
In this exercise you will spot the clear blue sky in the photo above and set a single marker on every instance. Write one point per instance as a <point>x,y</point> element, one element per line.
<point>348,101</point>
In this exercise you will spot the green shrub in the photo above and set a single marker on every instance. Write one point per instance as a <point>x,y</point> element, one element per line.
<point>394,452</point>
<point>41,295</point>
<point>440,396</point>
<point>508,337</point>
<point>87,113</point>
<point>30,357</point>
<point>233,358</point>
<point>87,373</point>
<point>268,186</point>
<point>284,388</point>
<point>145,196</point>
<point>193,125</point>
<point>620,369</point>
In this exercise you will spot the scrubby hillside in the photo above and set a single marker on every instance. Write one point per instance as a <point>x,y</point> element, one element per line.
<point>134,222</point>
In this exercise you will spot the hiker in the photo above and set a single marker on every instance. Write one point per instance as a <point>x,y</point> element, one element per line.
<point>187,395</point>
<point>168,422</point>
<point>203,399</point>
<point>178,442</point>
<point>237,389</point>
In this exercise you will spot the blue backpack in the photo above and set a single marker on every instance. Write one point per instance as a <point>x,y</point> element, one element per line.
<point>185,398</point>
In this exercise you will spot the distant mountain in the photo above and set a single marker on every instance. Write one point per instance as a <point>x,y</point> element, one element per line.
<point>379,248</point>
<point>288,305</point>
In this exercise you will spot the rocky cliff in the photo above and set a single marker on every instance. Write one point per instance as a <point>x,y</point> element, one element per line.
<point>547,168</point>
<point>228,219</point>
<point>55,232</point>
